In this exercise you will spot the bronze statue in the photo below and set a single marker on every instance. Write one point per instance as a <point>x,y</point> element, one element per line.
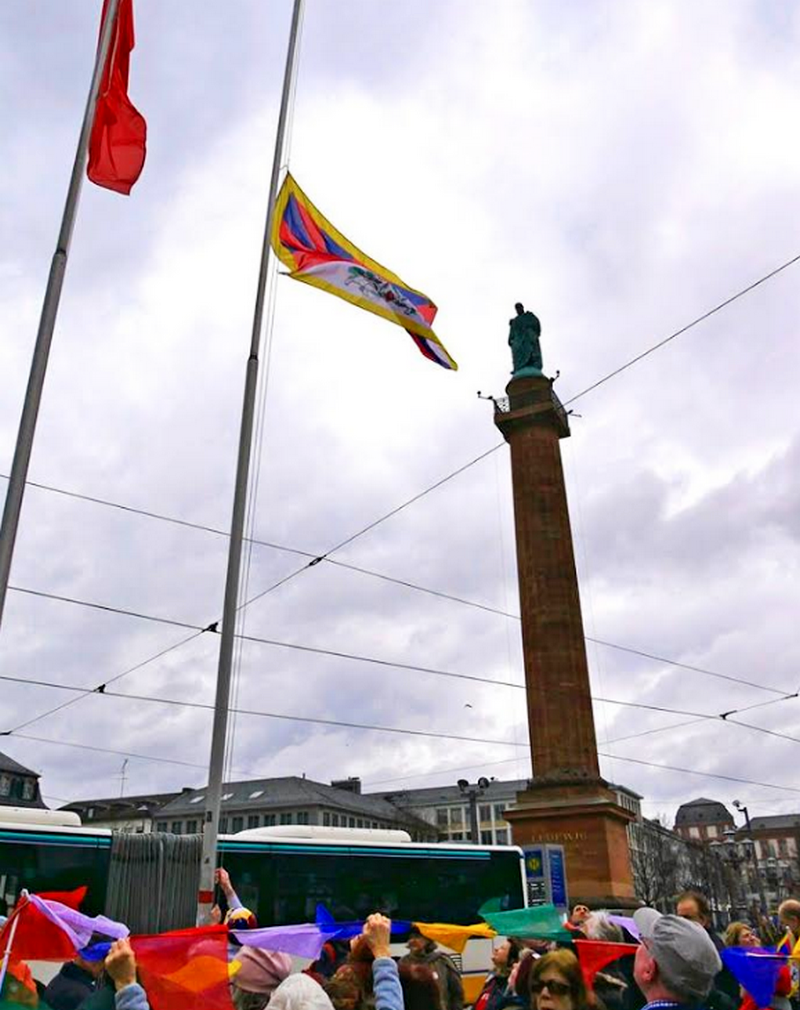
<point>523,339</point>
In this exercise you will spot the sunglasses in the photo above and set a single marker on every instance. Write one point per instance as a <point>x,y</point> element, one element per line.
<point>553,987</point>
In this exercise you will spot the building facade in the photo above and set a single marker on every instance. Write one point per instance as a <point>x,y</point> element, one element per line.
<point>447,810</point>
<point>703,820</point>
<point>19,786</point>
<point>127,814</point>
<point>259,803</point>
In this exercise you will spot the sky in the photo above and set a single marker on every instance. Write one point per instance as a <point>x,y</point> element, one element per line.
<point>621,168</point>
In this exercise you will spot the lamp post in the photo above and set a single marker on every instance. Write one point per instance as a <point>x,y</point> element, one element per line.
<point>472,792</point>
<point>753,855</point>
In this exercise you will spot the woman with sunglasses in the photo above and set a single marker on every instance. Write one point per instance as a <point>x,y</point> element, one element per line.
<point>556,983</point>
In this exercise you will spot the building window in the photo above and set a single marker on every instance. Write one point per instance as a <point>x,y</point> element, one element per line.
<point>302,817</point>
<point>161,826</point>
<point>90,813</point>
<point>457,836</point>
<point>28,789</point>
<point>269,820</point>
<point>176,827</point>
<point>711,831</point>
<point>375,824</point>
<point>5,785</point>
<point>252,820</point>
<point>486,837</point>
<point>499,811</point>
<point>237,824</point>
<point>223,825</point>
<point>441,817</point>
<point>335,820</point>
<point>326,818</point>
<point>286,818</point>
<point>352,822</point>
<point>456,816</point>
<point>694,832</point>
<point>360,823</point>
<point>783,848</point>
<point>485,813</point>
<point>502,836</point>
<point>191,827</point>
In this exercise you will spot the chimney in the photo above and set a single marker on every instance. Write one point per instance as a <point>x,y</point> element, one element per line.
<point>349,785</point>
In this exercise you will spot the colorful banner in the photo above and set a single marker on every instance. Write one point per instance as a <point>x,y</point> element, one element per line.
<point>317,254</point>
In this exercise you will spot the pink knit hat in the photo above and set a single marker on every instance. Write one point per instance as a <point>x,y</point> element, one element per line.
<point>260,971</point>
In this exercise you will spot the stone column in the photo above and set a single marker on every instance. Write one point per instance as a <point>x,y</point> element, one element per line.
<point>567,801</point>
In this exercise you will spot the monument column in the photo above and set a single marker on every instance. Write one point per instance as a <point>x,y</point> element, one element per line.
<point>566,802</point>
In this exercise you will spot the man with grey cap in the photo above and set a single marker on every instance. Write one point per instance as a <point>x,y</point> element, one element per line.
<point>676,961</point>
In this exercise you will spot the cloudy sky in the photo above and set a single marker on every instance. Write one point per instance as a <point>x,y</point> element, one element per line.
<point>620,167</point>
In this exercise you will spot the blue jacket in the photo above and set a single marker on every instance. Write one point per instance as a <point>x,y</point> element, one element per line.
<point>132,997</point>
<point>386,983</point>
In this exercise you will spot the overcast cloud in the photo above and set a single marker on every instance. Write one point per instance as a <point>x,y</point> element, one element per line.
<point>621,168</point>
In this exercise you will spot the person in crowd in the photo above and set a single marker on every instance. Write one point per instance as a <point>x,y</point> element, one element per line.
<point>789,917</point>
<point>421,950</point>
<point>300,992</point>
<point>496,991</point>
<point>255,975</point>
<point>76,980</point>
<point>237,916</point>
<point>676,962</point>
<point>577,917</point>
<point>693,905</point>
<point>556,982</point>
<point>351,986</point>
<point>420,987</point>
<point>120,965</point>
<point>741,934</point>
<point>385,977</point>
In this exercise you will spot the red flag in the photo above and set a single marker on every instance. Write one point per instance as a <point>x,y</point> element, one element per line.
<point>119,131</point>
<point>36,936</point>
<point>72,899</point>
<point>186,969</point>
<point>596,954</point>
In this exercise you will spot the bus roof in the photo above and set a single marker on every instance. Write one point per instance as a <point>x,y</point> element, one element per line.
<point>35,816</point>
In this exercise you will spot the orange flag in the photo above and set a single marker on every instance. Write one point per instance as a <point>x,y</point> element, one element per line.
<point>186,969</point>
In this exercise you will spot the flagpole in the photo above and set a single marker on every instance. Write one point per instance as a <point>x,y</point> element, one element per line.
<point>12,933</point>
<point>222,699</point>
<point>47,320</point>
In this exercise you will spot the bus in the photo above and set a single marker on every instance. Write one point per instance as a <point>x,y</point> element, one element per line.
<point>280,873</point>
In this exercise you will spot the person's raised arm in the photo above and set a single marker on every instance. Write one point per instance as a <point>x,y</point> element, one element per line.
<point>388,992</point>
<point>120,964</point>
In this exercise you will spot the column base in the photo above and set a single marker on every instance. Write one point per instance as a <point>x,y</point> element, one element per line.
<point>586,819</point>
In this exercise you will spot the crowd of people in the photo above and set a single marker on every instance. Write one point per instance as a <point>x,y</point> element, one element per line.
<point>675,964</point>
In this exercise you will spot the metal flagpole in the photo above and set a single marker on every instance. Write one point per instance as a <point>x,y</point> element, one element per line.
<point>216,764</point>
<point>47,320</point>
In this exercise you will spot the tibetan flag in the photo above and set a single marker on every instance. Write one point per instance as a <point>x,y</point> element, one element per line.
<point>316,253</point>
<point>186,969</point>
<point>119,131</point>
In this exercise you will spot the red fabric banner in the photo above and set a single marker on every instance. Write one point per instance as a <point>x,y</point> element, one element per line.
<point>119,132</point>
<point>37,937</point>
<point>596,954</point>
<point>186,969</point>
<point>72,899</point>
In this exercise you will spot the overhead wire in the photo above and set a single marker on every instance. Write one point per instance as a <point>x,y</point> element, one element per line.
<point>661,343</point>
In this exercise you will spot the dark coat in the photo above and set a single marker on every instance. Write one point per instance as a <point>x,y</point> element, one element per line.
<point>69,988</point>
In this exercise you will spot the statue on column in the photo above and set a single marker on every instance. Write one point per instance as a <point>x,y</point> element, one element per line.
<point>523,339</point>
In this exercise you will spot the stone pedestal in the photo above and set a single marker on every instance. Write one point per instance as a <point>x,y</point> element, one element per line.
<point>567,801</point>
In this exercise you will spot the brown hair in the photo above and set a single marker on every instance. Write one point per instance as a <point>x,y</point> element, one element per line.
<point>733,934</point>
<point>566,964</point>
<point>420,988</point>
<point>699,899</point>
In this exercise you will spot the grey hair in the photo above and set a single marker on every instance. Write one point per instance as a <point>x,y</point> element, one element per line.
<point>600,927</point>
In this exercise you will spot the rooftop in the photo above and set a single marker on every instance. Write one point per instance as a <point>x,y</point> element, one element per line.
<point>8,764</point>
<point>432,795</point>
<point>120,808</point>
<point>288,792</point>
<point>779,822</point>
<point>702,811</point>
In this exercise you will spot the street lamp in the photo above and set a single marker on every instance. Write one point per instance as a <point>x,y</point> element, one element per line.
<point>752,854</point>
<point>472,792</point>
